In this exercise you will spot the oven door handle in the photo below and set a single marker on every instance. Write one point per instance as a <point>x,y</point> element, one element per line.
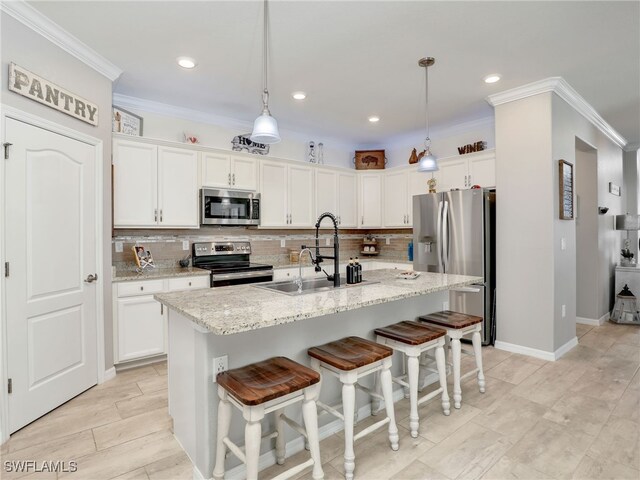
<point>234,276</point>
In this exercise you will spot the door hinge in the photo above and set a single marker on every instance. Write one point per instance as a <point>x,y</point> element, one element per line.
<point>6,146</point>
<point>6,269</point>
<point>10,386</point>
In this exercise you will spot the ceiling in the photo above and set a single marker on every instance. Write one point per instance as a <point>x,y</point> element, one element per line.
<point>355,59</point>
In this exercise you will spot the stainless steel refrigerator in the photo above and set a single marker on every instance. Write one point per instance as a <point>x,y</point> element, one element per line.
<point>454,232</point>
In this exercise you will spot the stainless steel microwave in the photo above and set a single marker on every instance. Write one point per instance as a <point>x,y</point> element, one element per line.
<point>229,207</point>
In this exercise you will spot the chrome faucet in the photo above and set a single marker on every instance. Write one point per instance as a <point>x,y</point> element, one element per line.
<point>298,281</point>
<point>336,249</point>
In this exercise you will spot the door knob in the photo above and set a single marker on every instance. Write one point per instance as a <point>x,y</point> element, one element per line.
<point>91,278</point>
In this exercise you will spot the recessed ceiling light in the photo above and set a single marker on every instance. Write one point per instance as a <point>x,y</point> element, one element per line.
<point>186,62</point>
<point>299,95</point>
<point>493,78</point>
<point>374,119</point>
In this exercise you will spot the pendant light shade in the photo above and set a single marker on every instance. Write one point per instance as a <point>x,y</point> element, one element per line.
<point>428,162</point>
<point>265,128</point>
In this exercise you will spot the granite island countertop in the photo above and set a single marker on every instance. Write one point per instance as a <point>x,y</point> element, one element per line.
<point>242,308</point>
<point>157,273</point>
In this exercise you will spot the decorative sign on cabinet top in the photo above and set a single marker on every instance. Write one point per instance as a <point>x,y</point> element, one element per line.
<point>243,142</point>
<point>472,147</point>
<point>30,85</point>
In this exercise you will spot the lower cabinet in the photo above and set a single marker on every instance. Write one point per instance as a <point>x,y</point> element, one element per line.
<point>140,322</point>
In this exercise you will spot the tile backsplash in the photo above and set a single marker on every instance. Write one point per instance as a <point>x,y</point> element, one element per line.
<point>166,246</point>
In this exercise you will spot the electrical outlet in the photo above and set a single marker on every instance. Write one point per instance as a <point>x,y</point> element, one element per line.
<point>220,364</point>
<point>388,241</point>
<point>327,241</point>
<point>445,305</point>
<point>118,247</point>
<point>282,242</point>
<point>564,311</point>
<point>563,243</point>
<point>185,245</point>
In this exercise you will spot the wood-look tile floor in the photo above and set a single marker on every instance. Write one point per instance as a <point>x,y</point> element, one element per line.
<point>578,418</point>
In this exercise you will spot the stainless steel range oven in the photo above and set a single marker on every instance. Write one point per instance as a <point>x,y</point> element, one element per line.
<point>229,263</point>
<point>229,207</point>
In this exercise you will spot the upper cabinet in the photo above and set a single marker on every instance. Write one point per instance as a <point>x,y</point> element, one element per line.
<point>336,192</point>
<point>370,193</point>
<point>155,187</point>
<point>229,171</point>
<point>468,170</point>
<point>396,202</point>
<point>286,194</point>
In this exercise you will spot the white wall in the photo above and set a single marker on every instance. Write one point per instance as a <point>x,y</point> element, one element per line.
<point>30,50</point>
<point>631,188</point>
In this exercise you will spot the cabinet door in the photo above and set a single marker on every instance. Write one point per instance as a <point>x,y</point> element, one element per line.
<point>135,184</point>
<point>216,170</point>
<point>326,192</point>
<point>177,187</point>
<point>417,185</point>
<point>395,202</point>
<point>244,173</point>
<point>348,200</point>
<point>370,201</point>
<point>482,171</point>
<point>273,190</point>
<point>452,174</point>
<point>301,196</point>
<point>141,328</point>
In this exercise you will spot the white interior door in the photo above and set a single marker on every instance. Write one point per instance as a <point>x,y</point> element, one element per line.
<point>51,248</point>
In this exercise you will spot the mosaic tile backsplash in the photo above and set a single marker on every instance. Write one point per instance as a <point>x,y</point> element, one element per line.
<point>167,246</point>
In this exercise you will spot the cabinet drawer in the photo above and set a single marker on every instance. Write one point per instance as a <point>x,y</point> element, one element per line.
<point>188,283</point>
<point>147,287</point>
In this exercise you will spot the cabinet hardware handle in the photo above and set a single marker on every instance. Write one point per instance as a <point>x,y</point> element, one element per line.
<point>155,215</point>
<point>141,288</point>
<point>229,181</point>
<point>162,309</point>
<point>362,220</point>
<point>469,180</point>
<point>160,215</point>
<point>189,283</point>
<point>234,178</point>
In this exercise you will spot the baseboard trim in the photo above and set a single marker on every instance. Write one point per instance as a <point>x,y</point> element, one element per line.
<point>108,374</point>
<point>594,322</point>
<point>602,320</point>
<point>120,367</point>
<point>536,353</point>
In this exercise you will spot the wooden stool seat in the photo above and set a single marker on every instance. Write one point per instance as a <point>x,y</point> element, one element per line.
<point>450,319</point>
<point>261,382</point>
<point>350,353</point>
<point>411,333</point>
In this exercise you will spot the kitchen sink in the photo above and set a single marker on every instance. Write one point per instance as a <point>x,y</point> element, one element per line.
<point>309,285</point>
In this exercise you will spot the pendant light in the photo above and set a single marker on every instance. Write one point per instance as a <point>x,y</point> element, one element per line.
<point>265,128</point>
<point>428,162</point>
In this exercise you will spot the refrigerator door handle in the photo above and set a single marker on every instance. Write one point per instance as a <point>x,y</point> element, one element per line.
<point>445,236</point>
<point>466,290</point>
<point>439,237</point>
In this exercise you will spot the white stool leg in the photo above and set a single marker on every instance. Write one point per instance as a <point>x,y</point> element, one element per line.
<point>375,403</point>
<point>224,420</point>
<point>252,438</point>
<point>477,352</point>
<point>457,391</point>
<point>447,349</point>
<point>310,415</point>
<point>348,408</point>
<point>387,393</point>
<point>281,451</point>
<point>413,366</point>
<point>442,373</point>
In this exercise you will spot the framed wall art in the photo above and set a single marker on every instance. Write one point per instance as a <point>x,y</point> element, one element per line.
<point>126,122</point>
<point>566,190</point>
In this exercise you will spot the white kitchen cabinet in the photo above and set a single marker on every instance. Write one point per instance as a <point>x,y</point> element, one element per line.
<point>417,185</point>
<point>140,322</point>
<point>370,194</point>
<point>337,192</point>
<point>154,187</point>
<point>452,174</point>
<point>396,202</point>
<point>286,195</point>
<point>462,172</point>
<point>226,171</point>
<point>482,171</point>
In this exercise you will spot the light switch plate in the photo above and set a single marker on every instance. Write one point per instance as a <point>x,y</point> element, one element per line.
<point>388,241</point>
<point>327,241</point>
<point>118,247</point>
<point>185,245</point>
<point>282,242</point>
<point>563,243</point>
<point>564,311</point>
<point>445,305</point>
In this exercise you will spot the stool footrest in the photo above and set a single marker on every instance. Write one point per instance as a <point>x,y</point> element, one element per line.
<point>375,395</point>
<point>294,425</point>
<point>371,428</point>
<point>468,374</point>
<point>294,470</point>
<point>235,449</point>
<point>430,396</point>
<point>466,351</point>
<point>400,381</point>
<point>330,410</point>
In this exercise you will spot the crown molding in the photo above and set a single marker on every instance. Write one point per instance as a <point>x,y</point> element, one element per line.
<point>39,23</point>
<point>632,147</point>
<point>560,87</point>
<point>192,115</point>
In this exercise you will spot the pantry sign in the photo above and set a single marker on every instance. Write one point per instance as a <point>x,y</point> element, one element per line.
<point>36,88</point>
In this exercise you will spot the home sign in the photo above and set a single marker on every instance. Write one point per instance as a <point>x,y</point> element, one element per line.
<point>243,142</point>
<point>30,85</point>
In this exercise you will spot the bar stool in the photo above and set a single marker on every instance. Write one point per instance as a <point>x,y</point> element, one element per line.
<point>415,339</point>
<point>458,325</point>
<point>256,390</point>
<point>350,359</point>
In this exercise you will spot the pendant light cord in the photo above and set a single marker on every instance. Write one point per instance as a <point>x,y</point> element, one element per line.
<point>265,51</point>
<point>426,102</point>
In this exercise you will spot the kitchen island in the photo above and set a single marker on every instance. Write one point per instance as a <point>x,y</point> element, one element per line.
<point>247,324</point>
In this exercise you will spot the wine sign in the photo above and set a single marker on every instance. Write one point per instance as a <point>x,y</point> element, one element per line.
<point>566,190</point>
<point>472,147</point>
<point>243,142</point>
